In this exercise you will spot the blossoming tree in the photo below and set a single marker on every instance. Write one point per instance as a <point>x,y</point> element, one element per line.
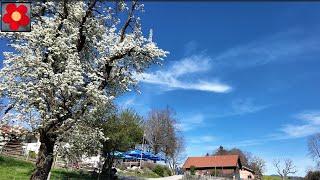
<point>78,56</point>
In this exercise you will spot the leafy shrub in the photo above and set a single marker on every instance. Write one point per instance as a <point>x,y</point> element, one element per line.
<point>159,170</point>
<point>148,165</point>
<point>313,175</point>
<point>192,170</point>
<point>32,155</point>
<point>167,171</point>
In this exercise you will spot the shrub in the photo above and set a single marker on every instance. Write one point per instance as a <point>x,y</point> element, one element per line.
<point>313,175</point>
<point>159,170</point>
<point>148,165</point>
<point>32,155</point>
<point>192,170</point>
<point>167,171</point>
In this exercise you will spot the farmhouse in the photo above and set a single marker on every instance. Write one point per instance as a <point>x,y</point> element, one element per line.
<point>222,165</point>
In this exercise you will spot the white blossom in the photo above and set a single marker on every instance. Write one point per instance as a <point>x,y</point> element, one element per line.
<point>58,79</point>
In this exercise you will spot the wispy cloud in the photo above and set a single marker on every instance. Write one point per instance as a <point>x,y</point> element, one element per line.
<point>191,122</point>
<point>202,139</point>
<point>246,105</point>
<point>128,102</point>
<point>310,124</point>
<point>240,106</point>
<point>284,46</point>
<point>178,76</point>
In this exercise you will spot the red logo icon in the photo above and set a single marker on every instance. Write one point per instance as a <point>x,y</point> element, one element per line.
<point>15,17</point>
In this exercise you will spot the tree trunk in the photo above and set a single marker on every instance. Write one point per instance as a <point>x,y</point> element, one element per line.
<point>45,157</point>
<point>107,167</point>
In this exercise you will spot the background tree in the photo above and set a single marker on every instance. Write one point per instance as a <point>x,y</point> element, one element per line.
<point>285,169</point>
<point>253,162</point>
<point>258,166</point>
<point>163,136</point>
<point>178,156</point>
<point>105,134</point>
<point>78,56</point>
<point>122,131</point>
<point>220,151</point>
<point>314,147</point>
<point>81,141</point>
<point>160,131</point>
<point>244,156</point>
<point>312,175</point>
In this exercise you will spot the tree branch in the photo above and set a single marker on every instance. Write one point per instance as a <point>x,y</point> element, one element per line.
<point>11,106</point>
<point>128,21</point>
<point>82,37</point>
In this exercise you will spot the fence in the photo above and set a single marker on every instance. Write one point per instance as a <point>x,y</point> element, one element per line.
<point>15,148</point>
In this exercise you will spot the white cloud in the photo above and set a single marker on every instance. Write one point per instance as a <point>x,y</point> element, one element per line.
<point>176,75</point>
<point>309,126</point>
<point>202,139</point>
<point>240,106</point>
<point>284,46</point>
<point>191,122</point>
<point>279,47</point>
<point>312,117</point>
<point>246,105</point>
<point>128,102</point>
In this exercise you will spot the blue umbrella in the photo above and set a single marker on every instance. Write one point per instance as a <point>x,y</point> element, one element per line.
<point>153,157</point>
<point>135,153</point>
<point>128,157</point>
<point>118,154</point>
<point>148,155</point>
<point>145,155</point>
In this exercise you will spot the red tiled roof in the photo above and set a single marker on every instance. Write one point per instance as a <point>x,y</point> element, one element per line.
<point>6,129</point>
<point>212,161</point>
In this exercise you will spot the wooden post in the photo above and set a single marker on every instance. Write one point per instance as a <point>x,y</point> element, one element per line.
<point>48,178</point>
<point>27,156</point>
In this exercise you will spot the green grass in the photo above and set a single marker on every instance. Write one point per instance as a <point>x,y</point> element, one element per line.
<point>271,178</point>
<point>14,169</point>
<point>145,173</point>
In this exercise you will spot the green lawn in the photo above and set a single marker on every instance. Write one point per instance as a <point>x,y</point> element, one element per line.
<point>13,169</point>
<point>271,178</point>
<point>145,174</point>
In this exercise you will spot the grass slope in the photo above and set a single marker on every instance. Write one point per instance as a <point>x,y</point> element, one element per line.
<point>271,178</point>
<point>14,169</point>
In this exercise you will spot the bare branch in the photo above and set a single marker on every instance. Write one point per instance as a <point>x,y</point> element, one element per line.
<point>314,147</point>
<point>287,169</point>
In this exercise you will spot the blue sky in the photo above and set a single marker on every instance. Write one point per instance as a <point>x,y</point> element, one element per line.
<point>238,75</point>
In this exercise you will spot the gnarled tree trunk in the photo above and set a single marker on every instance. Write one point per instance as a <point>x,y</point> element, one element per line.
<point>45,157</point>
<point>107,167</point>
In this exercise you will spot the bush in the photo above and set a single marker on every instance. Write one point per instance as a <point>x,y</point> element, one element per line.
<point>148,165</point>
<point>313,175</point>
<point>32,155</point>
<point>192,170</point>
<point>159,170</point>
<point>167,171</point>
